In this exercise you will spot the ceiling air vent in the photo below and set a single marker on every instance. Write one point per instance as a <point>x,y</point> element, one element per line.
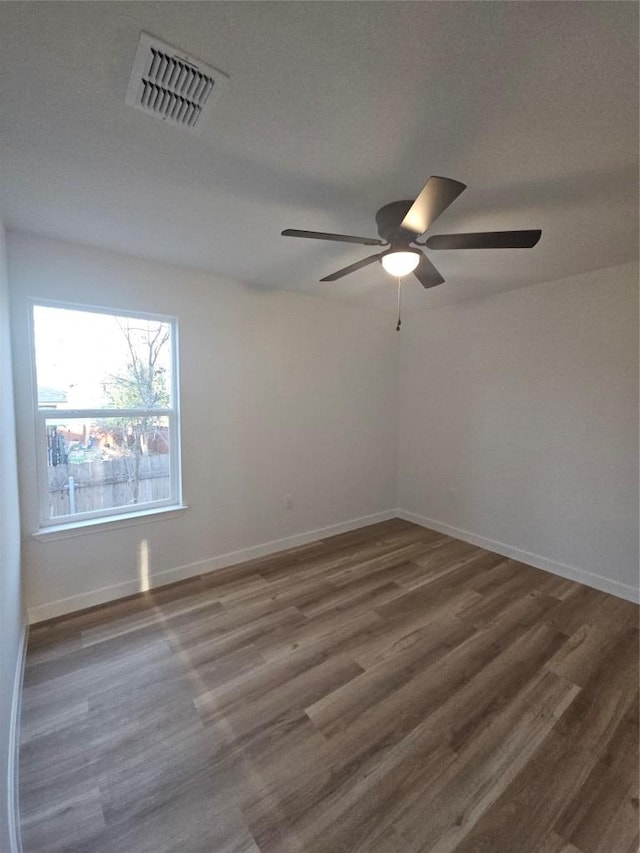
<point>172,85</point>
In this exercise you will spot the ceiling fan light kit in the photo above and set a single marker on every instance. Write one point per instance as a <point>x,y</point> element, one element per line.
<point>400,222</point>
<point>401,262</point>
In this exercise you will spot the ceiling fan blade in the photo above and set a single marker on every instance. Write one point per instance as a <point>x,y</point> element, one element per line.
<point>486,240</point>
<point>435,197</point>
<point>427,274</point>
<point>352,268</point>
<point>338,238</point>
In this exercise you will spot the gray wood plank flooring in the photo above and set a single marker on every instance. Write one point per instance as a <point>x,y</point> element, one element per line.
<point>389,690</point>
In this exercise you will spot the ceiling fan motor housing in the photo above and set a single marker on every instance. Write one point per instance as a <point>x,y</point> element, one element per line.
<point>388,220</point>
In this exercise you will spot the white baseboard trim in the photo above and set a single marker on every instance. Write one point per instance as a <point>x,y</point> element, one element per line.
<point>13,804</point>
<point>573,573</point>
<point>51,609</point>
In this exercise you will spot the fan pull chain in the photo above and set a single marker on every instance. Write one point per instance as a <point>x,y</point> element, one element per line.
<point>399,303</point>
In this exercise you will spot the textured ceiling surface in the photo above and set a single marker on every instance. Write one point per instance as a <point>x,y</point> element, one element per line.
<point>332,110</point>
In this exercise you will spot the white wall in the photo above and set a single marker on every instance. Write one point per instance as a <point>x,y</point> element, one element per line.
<point>11,618</point>
<point>281,393</point>
<point>519,424</point>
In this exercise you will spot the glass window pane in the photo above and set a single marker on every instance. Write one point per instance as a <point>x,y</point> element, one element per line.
<point>103,463</point>
<point>89,360</point>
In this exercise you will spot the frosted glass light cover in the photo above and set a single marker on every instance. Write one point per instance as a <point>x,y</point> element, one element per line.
<point>400,263</point>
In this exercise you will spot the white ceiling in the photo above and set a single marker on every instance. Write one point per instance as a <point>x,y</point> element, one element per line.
<point>333,109</point>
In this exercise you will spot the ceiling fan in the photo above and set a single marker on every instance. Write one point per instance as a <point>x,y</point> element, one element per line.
<point>400,222</point>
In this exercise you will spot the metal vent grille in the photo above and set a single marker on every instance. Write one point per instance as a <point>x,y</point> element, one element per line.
<point>171,85</point>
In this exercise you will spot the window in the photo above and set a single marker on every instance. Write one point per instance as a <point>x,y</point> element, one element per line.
<point>106,413</point>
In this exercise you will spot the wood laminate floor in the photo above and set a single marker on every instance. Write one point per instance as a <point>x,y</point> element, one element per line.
<point>390,690</point>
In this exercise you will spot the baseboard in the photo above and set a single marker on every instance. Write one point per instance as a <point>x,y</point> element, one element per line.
<point>573,573</point>
<point>51,609</point>
<point>40,612</point>
<point>13,805</point>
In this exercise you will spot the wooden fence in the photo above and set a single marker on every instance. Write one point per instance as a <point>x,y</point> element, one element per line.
<point>106,484</point>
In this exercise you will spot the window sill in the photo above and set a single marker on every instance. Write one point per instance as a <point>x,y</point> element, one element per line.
<point>113,522</point>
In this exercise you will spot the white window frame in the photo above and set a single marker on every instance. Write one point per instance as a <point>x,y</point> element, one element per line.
<point>42,414</point>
